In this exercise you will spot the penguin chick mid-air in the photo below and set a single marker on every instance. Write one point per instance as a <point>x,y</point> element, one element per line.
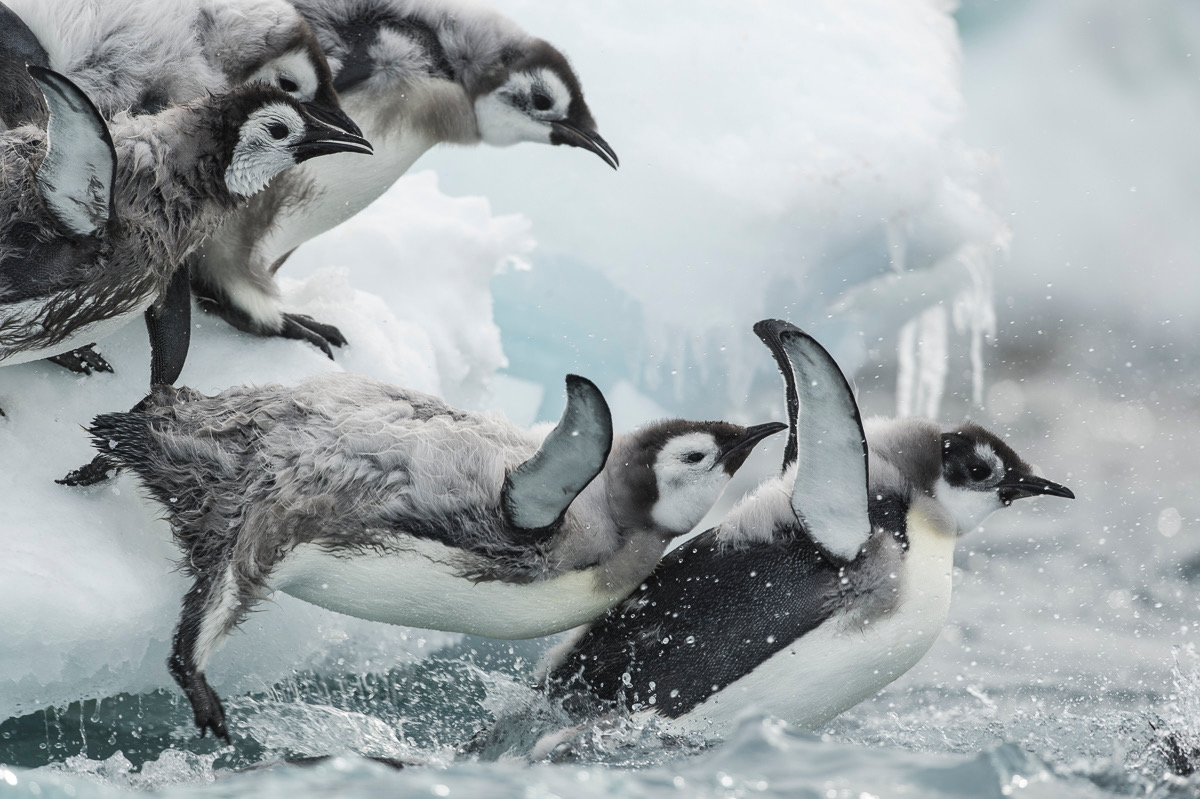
<point>94,226</point>
<point>818,589</point>
<point>386,504</point>
<point>414,74</point>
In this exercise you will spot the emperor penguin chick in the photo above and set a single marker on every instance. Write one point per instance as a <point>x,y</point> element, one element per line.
<point>142,56</point>
<point>414,74</point>
<point>386,504</point>
<point>95,226</point>
<point>817,590</point>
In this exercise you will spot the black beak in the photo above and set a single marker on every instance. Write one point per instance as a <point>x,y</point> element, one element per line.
<point>334,117</point>
<point>321,139</point>
<point>566,133</point>
<point>733,457</point>
<point>1020,486</point>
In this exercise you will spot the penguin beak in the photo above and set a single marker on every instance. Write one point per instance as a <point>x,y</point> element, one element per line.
<point>334,117</point>
<point>322,139</point>
<point>566,133</point>
<point>733,457</point>
<point>1028,485</point>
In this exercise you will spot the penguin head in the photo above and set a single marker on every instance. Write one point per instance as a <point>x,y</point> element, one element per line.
<point>271,44</point>
<point>533,95</point>
<point>302,73</point>
<point>981,474</point>
<point>273,132</point>
<point>667,475</point>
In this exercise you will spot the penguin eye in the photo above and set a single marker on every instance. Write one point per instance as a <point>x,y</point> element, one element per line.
<point>542,102</point>
<point>694,457</point>
<point>278,130</point>
<point>288,85</point>
<point>980,472</point>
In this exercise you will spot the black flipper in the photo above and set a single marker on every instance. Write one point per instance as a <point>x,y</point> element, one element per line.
<point>21,101</point>
<point>537,493</point>
<point>829,495</point>
<point>82,361</point>
<point>169,325</point>
<point>768,330</point>
<point>77,177</point>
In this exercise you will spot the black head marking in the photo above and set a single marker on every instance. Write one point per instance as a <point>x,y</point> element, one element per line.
<point>965,460</point>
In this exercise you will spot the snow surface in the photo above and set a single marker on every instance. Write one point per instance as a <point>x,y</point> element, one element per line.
<point>803,161</point>
<point>777,159</point>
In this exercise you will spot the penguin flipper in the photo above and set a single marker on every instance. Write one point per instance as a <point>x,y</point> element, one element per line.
<point>829,496</point>
<point>537,493</point>
<point>77,176</point>
<point>768,331</point>
<point>169,325</point>
<point>20,103</point>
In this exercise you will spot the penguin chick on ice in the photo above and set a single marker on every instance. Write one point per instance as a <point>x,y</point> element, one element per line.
<point>386,504</point>
<point>414,74</point>
<point>95,226</point>
<point>142,56</point>
<point>817,590</point>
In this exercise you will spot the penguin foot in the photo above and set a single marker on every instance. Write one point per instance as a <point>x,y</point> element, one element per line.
<point>97,471</point>
<point>305,328</point>
<point>82,361</point>
<point>207,707</point>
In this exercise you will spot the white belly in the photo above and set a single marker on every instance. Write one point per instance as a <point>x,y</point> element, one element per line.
<point>347,183</point>
<point>836,666</point>
<point>419,588</point>
<point>80,338</point>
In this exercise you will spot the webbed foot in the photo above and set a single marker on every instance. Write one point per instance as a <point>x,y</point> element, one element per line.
<point>82,361</point>
<point>305,328</point>
<point>97,471</point>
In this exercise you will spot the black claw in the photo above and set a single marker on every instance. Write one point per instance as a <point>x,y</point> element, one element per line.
<point>82,361</point>
<point>327,332</point>
<point>100,469</point>
<point>207,707</point>
<point>294,327</point>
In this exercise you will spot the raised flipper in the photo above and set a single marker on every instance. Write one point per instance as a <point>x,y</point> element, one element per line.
<point>537,493</point>
<point>768,330</point>
<point>77,176</point>
<point>169,325</point>
<point>82,361</point>
<point>211,609</point>
<point>829,495</point>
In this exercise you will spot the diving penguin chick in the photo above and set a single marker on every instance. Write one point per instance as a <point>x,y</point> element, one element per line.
<point>818,589</point>
<point>386,504</point>
<point>94,226</point>
<point>414,74</point>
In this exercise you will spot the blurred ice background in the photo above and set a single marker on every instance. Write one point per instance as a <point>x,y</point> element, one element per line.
<point>986,210</point>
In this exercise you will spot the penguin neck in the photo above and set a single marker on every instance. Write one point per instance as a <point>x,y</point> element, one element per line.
<point>169,184</point>
<point>598,533</point>
<point>413,114</point>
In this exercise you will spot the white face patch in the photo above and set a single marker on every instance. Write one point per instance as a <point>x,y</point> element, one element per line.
<point>689,481</point>
<point>293,73</point>
<point>264,148</point>
<point>968,507</point>
<point>522,109</point>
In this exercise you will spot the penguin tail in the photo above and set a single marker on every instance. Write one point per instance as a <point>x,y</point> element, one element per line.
<point>124,438</point>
